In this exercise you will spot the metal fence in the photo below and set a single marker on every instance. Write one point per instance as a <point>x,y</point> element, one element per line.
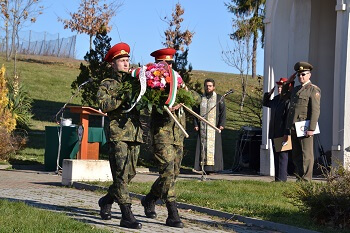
<point>42,43</point>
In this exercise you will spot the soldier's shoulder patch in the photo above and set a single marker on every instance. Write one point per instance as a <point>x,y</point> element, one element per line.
<point>317,93</point>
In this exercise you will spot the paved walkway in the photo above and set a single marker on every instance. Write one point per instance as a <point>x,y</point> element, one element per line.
<point>44,190</point>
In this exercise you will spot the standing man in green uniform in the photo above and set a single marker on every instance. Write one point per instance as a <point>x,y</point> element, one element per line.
<point>304,105</point>
<point>168,151</point>
<point>125,134</point>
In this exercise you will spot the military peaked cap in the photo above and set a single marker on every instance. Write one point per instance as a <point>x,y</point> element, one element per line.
<point>303,66</point>
<point>165,54</point>
<point>117,51</point>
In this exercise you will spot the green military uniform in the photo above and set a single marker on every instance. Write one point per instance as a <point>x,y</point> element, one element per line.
<point>168,151</point>
<point>304,105</point>
<point>125,132</point>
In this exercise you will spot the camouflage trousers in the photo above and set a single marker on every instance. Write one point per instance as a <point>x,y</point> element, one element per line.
<point>122,159</point>
<point>169,159</point>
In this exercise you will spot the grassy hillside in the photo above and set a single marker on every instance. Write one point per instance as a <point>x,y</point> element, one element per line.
<point>48,80</point>
<point>225,82</point>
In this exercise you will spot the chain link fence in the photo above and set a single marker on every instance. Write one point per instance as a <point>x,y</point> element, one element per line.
<point>41,43</point>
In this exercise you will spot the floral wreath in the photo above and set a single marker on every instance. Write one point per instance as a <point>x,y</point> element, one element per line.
<point>164,86</point>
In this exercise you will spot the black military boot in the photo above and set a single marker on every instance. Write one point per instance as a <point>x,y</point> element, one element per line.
<point>128,220</point>
<point>105,204</point>
<point>173,219</point>
<point>149,204</point>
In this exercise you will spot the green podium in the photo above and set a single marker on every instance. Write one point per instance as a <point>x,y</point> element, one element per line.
<point>69,143</point>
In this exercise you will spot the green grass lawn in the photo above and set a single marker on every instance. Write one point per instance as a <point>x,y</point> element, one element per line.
<point>19,217</point>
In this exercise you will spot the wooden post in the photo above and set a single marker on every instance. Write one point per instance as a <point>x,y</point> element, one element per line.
<point>84,119</point>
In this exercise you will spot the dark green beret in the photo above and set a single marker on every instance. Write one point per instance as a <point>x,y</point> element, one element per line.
<point>302,66</point>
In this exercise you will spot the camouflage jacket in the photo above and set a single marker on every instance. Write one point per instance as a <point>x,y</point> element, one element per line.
<point>304,105</point>
<point>165,130</point>
<point>114,96</point>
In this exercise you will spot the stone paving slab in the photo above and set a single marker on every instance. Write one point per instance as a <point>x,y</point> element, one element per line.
<point>44,190</point>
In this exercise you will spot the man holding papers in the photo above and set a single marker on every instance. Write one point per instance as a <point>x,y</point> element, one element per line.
<point>304,105</point>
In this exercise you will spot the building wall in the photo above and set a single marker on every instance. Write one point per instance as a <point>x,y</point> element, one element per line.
<point>321,56</point>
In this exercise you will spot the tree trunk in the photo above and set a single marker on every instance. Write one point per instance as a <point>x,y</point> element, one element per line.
<point>244,90</point>
<point>90,42</point>
<point>7,41</point>
<point>244,94</point>
<point>15,53</point>
<point>15,64</point>
<point>255,46</point>
<point>13,41</point>
<point>255,41</point>
<point>7,32</point>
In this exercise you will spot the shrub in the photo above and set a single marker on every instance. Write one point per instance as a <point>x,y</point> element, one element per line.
<point>6,147</point>
<point>328,203</point>
<point>7,119</point>
<point>20,103</point>
<point>10,142</point>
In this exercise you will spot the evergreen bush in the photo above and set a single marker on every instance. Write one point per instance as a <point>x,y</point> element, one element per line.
<point>96,69</point>
<point>328,203</point>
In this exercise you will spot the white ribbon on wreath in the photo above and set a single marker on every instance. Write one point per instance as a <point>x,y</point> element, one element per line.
<point>143,83</point>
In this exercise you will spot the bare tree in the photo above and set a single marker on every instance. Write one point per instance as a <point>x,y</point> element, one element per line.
<point>252,114</point>
<point>92,17</point>
<point>178,39</point>
<point>174,36</point>
<point>239,56</point>
<point>5,16</point>
<point>16,13</point>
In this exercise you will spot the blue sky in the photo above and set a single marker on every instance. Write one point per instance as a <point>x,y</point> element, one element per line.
<point>139,24</point>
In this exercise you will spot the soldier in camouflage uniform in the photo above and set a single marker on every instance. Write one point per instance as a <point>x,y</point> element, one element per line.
<point>304,105</point>
<point>168,151</point>
<point>125,134</point>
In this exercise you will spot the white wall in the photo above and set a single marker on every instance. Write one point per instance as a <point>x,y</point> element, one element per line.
<point>321,56</point>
